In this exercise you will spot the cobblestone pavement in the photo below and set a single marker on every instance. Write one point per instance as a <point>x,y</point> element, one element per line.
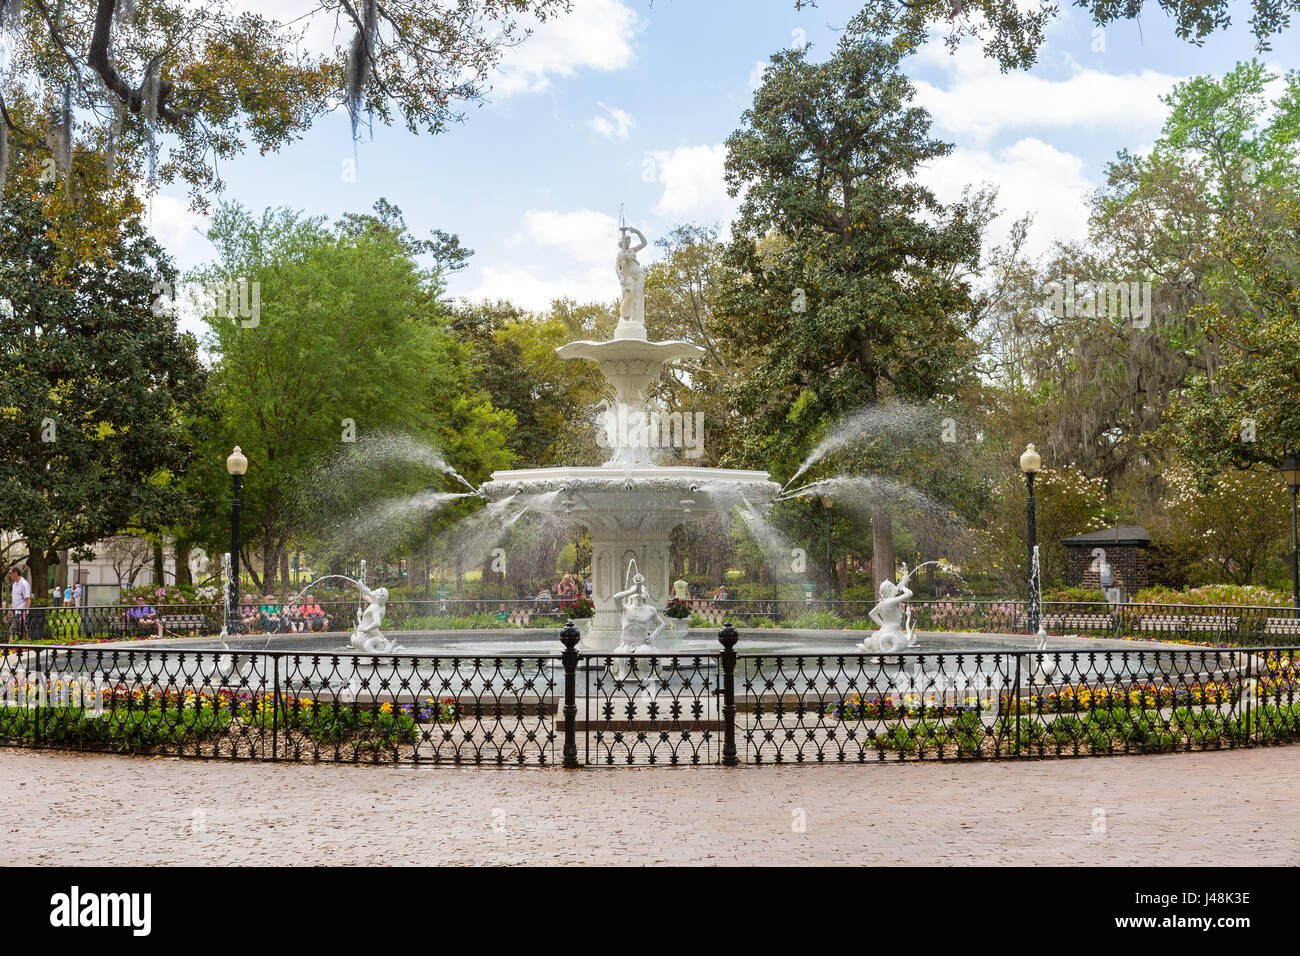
<point>1224,808</point>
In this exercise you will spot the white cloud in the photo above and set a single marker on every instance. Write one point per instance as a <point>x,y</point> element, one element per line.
<point>693,182</point>
<point>596,35</point>
<point>178,229</point>
<point>1031,177</point>
<point>756,74</point>
<point>583,235</point>
<point>979,101</point>
<point>557,255</point>
<point>524,287</point>
<point>621,123</point>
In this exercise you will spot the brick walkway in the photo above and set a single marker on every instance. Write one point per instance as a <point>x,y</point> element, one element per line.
<point>1225,808</point>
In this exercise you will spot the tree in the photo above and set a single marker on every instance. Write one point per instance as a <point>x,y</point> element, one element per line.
<point>128,554</point>
<point>95,389</point>
<point>1012,33</point>
<point>1068,503</point>
<point>1232,522</point>
<point>852,282</point>
<point>1102,339</point>
<point>349,345</point>
<point>124,76</point>
<point>1247,413</point>
<point>512,354</point>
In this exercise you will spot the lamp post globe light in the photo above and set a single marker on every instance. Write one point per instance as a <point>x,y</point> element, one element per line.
<point>237,465</point>
<point>828,502</point>
<point>1291,472</point>
<point>1030,463</point>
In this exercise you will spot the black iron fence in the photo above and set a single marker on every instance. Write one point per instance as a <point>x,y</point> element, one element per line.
<point>1204,624</point>
<point>576,709</point>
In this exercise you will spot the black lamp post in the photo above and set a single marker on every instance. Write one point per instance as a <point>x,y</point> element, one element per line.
<point>428,549</point>
<point>1030,463</point>
<point>828,501</point>
<point>1291,472</point>
<point>236,464</point>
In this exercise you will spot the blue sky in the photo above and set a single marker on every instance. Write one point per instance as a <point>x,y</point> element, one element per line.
<point>628,102</point>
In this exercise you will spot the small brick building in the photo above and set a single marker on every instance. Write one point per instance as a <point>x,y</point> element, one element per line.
<point>1124,548</point>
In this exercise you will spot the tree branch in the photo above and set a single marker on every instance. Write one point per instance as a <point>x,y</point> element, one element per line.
<point>98,60</point>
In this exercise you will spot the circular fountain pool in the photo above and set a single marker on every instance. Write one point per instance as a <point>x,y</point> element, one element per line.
<point>525,664</point>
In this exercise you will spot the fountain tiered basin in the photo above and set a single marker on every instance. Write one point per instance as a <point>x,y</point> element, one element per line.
<point>630,511</point>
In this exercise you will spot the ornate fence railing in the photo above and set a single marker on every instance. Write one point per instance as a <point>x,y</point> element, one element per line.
<point>580,709</point>
<point>1195,623</point>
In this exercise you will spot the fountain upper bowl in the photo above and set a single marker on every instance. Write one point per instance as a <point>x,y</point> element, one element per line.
<point>646,488</point>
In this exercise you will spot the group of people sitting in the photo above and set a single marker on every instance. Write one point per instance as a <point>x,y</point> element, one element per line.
<point>269,617</point>
<point>571,587</point>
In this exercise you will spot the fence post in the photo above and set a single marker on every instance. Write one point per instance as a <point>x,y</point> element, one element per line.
<point>727,637</point>
<point>1016,718</point>
<point>40,695</point>
<point>569,638</point>
<point>275,708</point>
<point>1248,692</point>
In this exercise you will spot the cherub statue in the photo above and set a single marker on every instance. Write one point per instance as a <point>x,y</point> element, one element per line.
<point>367,636</point>
<point>888,613</point>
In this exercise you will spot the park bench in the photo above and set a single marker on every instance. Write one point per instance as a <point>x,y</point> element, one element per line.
<point>1077,622</point>
<point>1282,626</point>
<point>1184,624</point>
<point>182,623</point>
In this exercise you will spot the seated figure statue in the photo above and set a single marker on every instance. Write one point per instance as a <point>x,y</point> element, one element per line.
<point>638,616</point>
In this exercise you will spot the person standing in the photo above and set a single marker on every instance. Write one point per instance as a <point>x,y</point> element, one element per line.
<point>20,603</point>
<point>76,595</point>
<point>681,590</point>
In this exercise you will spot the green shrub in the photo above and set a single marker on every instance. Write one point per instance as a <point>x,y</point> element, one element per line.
<point>898,737</point>
<point>334,722</point>
<point>123,728</point>
<point>818,620</point>
<point>1066,731</point>
<point>453,622</point>
<point>1237,595</point>
<point>968,732</point>
<point>1076,595</point>
<point>1024,732</point>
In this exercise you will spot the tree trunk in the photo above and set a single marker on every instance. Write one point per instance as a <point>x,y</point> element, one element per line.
<point>61,571</point>
<point>284,573</point>
<point>269,566</point>
<point>252,572</point>
<point>159,565</point>
<point>39,569</point>
<point>882,546</point>
<point>181,548</point>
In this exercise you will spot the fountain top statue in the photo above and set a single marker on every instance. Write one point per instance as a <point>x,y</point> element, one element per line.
<point>631,282</point>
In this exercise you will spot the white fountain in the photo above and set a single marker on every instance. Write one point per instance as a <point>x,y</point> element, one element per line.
<point>630,504</point>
